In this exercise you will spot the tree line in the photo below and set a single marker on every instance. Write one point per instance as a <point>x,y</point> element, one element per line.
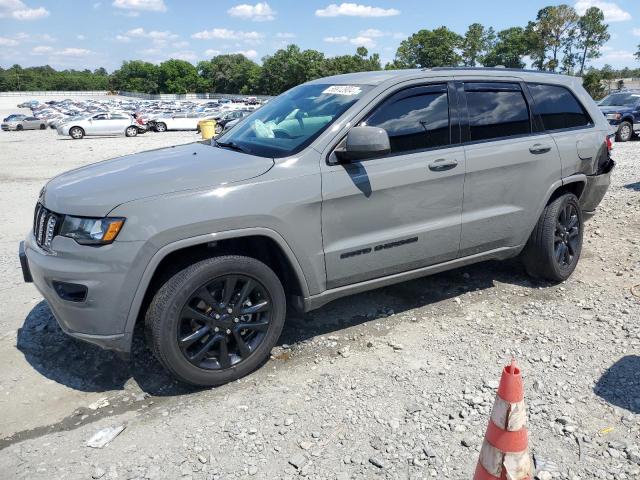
<point>558,40</point>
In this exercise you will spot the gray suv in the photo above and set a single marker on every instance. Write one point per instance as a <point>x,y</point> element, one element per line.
<point>339,185</point>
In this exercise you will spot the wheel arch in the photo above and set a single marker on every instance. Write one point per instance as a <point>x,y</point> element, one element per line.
<point>574,184</point>
<point>262,244</point>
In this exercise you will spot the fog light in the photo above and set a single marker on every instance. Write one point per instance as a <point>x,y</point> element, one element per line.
<point>72,292</point>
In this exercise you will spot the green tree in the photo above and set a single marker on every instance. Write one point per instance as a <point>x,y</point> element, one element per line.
<point>233,73</point>
<point>593,33</point>
<point>508,50</point>
<point>477,41</point>
<point>592,83</point>
<point>136,76</point>
<point>360,62</point>
<point>177,76</point>
<point>430,48</point>
<point>289,67</point>
<point>637,54</point>
<point>553,26</point>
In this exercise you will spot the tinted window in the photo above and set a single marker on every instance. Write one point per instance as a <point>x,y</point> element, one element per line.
<point>558,107</point>
<point>102,116</point>
<point>118,116</point>
<point>495,112</point>
<point>415,119</point>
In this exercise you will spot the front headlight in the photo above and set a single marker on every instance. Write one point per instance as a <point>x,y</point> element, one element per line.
<point>613,116</point>
<point>91,231</point>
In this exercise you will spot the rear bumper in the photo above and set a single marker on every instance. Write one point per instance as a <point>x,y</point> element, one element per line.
<point>596,187</point>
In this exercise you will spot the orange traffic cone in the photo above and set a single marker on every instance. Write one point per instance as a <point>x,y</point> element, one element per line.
<point>505,450</point>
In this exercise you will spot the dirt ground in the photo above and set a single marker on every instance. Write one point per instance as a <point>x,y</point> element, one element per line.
<point>394,383</point>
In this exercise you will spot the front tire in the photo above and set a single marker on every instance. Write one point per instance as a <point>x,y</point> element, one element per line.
<point>76,133</point>
<point>131,131</point>
<point>625,132</point>
<point>554,248</point>
<point>19,127</point>
<point>217,320</point>
<point>43,126</point>
<point>218,129</point>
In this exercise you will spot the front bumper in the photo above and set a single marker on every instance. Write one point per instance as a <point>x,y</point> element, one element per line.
<point>106,273</point>
<point>596,187</point>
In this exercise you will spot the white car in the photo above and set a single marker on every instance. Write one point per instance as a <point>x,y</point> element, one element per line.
<point>99,124</point>
<point>177,121</point>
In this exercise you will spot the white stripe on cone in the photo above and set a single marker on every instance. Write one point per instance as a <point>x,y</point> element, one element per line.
<point>509,416</point>
<point>517,466</point>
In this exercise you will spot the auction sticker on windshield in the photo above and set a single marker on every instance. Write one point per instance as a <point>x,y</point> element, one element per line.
<point>342,90</point>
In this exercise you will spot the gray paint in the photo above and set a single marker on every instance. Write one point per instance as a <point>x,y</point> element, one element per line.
<point>317,211</point>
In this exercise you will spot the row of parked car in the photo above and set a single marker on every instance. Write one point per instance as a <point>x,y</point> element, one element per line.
<point>128,117</point>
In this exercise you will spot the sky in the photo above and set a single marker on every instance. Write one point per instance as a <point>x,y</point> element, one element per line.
<point>89,34</point>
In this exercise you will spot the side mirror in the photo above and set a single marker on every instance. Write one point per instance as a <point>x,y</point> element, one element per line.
<point>363,143</point>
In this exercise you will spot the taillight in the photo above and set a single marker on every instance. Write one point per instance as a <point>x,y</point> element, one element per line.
<point>609,143</point>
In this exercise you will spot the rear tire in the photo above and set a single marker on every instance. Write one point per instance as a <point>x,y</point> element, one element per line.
<point>76,133</point>
<point>554,247</point>
<point>43,126</point>
<point>19,127</point>
<point>625,132</point>
<point>131,131</point>
<point>161,127</point>
<point>218,129</point>
<point>190,315</point>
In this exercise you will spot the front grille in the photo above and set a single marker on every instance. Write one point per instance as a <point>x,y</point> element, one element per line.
<point>46,225</point>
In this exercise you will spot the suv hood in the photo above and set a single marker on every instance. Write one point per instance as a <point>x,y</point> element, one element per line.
<point>97,189</point>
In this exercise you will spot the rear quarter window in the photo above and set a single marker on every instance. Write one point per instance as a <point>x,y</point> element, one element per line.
<point>558,107</point>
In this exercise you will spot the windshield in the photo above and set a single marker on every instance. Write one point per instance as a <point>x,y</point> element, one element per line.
<point>291,121</point>
<point>621,99</point>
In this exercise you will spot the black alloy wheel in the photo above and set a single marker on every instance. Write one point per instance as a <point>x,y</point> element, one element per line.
<point>567,236</point>
<point>553,249</point>
<point>224,321</point>
<point>216,320</point>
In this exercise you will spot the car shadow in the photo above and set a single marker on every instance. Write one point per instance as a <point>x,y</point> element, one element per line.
<point>364,307</point>
<point>633,186</point>
<point>620,384</point>
<point>86,367</point>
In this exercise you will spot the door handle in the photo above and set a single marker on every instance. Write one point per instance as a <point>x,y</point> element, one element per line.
<point>538,149</point>
<point>442,164</point>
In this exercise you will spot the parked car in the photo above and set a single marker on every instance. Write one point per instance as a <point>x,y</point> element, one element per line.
<point>340,185</point>
<point>100,124</point>
<point>27,123</point>
<point>176,121</point>
<point>28,104</point>
<point>622,110</point>
<point>14,117</point>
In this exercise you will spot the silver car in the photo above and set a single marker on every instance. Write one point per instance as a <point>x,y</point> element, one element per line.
<point>337,186</point>
<point>27,123</point>
<point>99,124</point>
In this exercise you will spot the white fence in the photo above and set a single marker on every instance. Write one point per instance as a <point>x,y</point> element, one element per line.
<point>146,96</point>
<point>83,93</point>
<point>187,96</point>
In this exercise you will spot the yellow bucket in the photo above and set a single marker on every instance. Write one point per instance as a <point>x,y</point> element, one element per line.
<point>207,128</point>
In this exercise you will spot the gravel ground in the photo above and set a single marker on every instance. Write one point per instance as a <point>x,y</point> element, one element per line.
<point>394,383</point>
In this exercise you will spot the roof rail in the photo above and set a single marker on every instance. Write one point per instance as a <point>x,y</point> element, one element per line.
<point>498,67</point>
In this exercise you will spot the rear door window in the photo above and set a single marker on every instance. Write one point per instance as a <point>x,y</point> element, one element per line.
<point>496,110</point>
<point>558,107</point>
<point>415,119</point>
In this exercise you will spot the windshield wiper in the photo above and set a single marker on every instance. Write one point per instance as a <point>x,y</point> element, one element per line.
<point>232,146</point>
